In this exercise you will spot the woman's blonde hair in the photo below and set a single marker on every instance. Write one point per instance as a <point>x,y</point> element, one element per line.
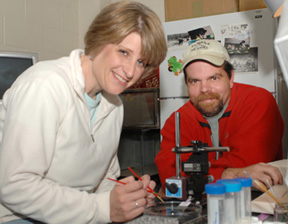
<point>120,19</point>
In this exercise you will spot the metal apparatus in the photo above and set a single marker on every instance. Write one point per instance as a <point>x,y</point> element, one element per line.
<point>196,168</point>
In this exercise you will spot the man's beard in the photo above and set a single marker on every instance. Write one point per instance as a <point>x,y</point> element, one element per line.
<point>209,109</point>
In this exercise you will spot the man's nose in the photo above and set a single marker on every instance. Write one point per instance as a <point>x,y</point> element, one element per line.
<point>205,87</point>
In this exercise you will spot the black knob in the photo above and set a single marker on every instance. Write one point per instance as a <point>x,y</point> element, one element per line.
<point>173,188</point>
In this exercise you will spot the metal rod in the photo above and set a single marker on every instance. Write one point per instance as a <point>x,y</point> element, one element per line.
<point>204,149</point>
<point>177,144</point>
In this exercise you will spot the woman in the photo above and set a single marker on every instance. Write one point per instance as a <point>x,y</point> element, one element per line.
<point>62,124</point>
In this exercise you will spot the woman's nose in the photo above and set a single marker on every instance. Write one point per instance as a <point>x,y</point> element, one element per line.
<point>129,69</point>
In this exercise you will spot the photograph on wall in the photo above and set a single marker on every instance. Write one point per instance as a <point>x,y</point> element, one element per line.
<point>247,62</point>
<point>177,41</point>
<point>237,38</point>
<point>240,31</point>
<point>181,41</point>
<point>200,33</point>
<point>237,46</point>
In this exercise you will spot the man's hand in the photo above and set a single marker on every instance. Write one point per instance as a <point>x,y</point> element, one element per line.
<point>262,172</point>
<point>129,201</point>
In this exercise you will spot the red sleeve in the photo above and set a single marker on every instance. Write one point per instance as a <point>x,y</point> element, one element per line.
<point>165,159</point>
<point>253,133</point>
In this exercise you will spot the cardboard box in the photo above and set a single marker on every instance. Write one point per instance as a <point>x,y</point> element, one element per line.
<point>245,5</point>
<point>186,9</point>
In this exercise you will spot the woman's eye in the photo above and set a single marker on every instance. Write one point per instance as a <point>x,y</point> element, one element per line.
<point>140,62</point>
<point>123,52</point>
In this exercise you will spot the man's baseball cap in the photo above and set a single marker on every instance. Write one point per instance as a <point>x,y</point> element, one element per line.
<point>208,50</point>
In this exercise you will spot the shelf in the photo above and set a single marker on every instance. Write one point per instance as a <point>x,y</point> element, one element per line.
<point>151,170</point>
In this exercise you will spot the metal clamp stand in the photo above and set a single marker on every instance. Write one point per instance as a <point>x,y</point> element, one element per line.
<point>196,167</point>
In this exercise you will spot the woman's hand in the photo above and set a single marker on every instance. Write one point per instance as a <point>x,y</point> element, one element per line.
<point>150,197</point>
<point>129,201</point>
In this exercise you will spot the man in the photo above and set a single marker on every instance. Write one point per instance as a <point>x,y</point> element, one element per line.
<point>220,112</point>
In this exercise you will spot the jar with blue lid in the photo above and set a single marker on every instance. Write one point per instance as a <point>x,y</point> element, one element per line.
<point>232,200</point>
<point>245,198</point>
<point>215,203</point>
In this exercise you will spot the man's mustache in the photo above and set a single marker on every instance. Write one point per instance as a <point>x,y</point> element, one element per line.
<point>208,96</point>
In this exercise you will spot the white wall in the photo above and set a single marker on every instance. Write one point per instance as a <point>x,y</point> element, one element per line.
<point>47,27</point>
<point>51,28</point>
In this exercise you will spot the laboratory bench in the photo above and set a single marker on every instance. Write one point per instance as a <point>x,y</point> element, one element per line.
<point>152,219</point>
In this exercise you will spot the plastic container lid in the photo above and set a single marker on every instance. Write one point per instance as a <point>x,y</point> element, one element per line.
<point>225,180</point>
<point>231,185</point>
<point>215,188</point>
<point>245,181</point>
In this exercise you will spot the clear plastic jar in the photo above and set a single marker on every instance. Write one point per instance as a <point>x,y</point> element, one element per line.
<point>245,199</point>
<point>232,200</point>
<point>215,203</point>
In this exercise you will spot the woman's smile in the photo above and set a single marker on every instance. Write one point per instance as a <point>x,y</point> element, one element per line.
<point>120,78</point>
